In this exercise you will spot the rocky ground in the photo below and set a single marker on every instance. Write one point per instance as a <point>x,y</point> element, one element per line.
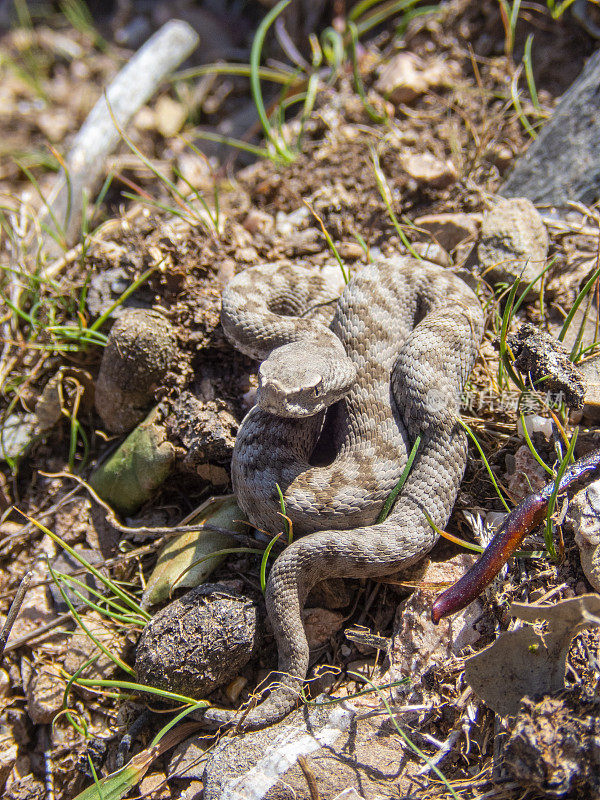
<point>411,135</point>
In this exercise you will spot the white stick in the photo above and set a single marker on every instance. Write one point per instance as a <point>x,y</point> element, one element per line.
<point>130,90</point>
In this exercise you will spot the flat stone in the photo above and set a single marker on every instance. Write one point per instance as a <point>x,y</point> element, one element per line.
<point>344,754</point>
<point>563,163</point>
<point>45,693</point>
<point>513,244</point>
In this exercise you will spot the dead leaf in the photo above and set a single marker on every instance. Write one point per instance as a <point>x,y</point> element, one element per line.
<point>187,560</point>
<point>524,662</point>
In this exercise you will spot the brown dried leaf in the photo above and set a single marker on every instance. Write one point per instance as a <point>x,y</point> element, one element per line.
<point>525,662</point>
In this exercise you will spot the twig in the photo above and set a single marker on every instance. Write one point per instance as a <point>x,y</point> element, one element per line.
<point>310,778</point>
<point>129,91</point>
<point>464,726</point>
<point>146,532</point>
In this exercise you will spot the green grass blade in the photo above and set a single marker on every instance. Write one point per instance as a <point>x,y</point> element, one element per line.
<point>77,616</point>
<point>548,533</point>
<point>111,585</point>
<point>255,54</point>
<point>532,449</point>
<point>578,300</point>
<point>485,461</point>
<point>130,290</point>
<point>358,84</point>
<point>391,498</point>
<point>383,12</point>
<point>263,563</point>
<point>386,196</point>
<point>529,74</point>
<point>286,521</point>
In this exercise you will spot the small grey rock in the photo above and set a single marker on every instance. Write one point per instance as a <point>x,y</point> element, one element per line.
<point>199,642</point>
<point>514,242</point>
<point>17,434</point>
<point>563,163</point>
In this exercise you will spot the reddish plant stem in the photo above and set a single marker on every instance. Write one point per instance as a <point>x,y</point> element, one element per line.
<point>521,520</point>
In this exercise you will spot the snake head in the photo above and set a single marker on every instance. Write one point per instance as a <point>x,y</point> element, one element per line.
<point>301,379</point>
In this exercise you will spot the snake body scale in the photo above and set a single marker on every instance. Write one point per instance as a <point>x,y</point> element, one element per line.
<point>339,407</point>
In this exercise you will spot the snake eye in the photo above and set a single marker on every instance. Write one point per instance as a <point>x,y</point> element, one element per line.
<point>316,391</point>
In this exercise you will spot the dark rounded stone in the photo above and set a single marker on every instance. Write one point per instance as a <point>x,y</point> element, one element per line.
<point>199,642</point>
<point>141,348</point>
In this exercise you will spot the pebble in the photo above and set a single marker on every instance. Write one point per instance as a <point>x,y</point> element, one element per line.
<point>431,251</point>
<point>534,423</point>
<point>17,435</point>
<point>405,77</point>
<point>45,692</point>
<point>425,168</point>
<point>449,230</point>
<point>513,244</point>
<point>527,476</point>
<point>286,224</point>
<point>258,221</point>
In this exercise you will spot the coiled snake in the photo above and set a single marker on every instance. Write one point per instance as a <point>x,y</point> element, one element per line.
<point>339,408</point>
